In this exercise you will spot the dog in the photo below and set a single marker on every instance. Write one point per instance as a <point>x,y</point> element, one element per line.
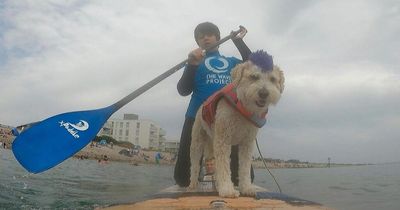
<point>256,84</point>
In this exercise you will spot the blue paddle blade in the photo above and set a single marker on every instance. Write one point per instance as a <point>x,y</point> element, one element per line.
<point>53,140</point>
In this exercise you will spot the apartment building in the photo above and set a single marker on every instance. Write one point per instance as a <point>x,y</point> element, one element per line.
<point>145,133</point>
<point>171,146</point>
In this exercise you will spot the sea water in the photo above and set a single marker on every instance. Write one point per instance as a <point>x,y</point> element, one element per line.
<point>368,187</point>
<point>86,184</point>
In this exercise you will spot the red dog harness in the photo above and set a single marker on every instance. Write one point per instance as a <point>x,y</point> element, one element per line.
<point>229,94</point>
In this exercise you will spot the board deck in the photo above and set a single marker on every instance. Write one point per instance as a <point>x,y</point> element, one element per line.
<point>205,197</point>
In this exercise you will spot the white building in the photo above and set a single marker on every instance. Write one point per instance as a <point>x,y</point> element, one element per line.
<point>145,133</point>
<point>171,146</point>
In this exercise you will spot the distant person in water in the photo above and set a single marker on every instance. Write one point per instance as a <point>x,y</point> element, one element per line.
<point>158,157</point>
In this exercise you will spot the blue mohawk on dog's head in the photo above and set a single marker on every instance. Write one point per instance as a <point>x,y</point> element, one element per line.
<point>261,59</point>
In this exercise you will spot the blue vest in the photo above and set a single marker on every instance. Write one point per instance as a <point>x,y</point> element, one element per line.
<point>211,75</point>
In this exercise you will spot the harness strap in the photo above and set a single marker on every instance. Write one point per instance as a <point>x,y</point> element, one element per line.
<point>229,94</point>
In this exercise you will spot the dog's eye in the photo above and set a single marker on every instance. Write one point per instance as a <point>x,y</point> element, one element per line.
<point>254,77</point>
<point>272,79</point>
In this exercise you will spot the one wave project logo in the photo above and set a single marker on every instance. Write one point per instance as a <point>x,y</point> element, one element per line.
<point>73,129</point>
<point>214,64</point>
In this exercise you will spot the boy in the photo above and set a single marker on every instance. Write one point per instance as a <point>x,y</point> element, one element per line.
<point>203,75</point>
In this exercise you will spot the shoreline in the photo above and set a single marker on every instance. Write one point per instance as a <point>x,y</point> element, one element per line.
<point>149,157</point>
<point>113,155</point>
<point>142,157</point>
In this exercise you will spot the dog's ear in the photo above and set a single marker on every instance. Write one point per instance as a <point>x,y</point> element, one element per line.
<point>281,82</point>
<point>237,72</point>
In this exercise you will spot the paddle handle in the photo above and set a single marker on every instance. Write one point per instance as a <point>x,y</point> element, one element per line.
<point>166,74</point>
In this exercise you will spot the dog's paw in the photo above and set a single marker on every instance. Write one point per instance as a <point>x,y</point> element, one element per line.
<point>228,192</point>
<point>248,190</point>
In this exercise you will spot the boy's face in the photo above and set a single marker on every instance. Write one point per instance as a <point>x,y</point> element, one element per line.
<point>206,40</point>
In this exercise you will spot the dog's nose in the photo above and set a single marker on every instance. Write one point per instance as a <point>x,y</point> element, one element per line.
<point>263,93</point>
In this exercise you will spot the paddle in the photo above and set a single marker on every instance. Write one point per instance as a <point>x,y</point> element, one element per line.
<point>43,145</point>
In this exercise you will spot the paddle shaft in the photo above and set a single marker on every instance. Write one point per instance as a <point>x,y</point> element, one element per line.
<point>166,74</point>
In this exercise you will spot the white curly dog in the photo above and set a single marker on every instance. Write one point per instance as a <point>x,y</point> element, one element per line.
<point>239,112</point>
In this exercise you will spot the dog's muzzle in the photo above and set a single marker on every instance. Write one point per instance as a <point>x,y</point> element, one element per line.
<point>263,95</point>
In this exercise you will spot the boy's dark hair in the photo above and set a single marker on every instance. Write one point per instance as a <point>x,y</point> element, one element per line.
<point>206,28</point>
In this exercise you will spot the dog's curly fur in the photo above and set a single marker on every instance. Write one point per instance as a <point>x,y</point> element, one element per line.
<point>256,90</point>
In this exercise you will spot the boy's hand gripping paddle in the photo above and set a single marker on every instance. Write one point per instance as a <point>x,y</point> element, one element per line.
<point>47,143</point>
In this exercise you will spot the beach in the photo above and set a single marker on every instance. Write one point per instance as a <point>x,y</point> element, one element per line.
<point>113,154</point>
<point>144,156</point>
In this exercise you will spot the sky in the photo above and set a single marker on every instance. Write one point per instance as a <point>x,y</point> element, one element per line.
<point>341,63</point>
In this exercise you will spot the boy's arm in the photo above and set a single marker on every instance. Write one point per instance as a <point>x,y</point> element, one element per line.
<point>186,83</point>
